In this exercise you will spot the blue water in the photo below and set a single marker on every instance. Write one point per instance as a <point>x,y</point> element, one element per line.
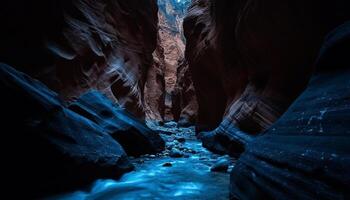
<point>187,178</point>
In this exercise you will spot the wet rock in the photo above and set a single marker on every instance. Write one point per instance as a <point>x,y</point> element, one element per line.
<point>181,139</point>
<point>135,137</point>
<point>171,124</point>
<point>175,153</point>
<point>222,141</point>
<point>54,145</point>
<point>168,164</point>
<point>221,166</point>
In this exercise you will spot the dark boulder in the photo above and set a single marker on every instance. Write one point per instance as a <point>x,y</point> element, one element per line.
<point>175,153</point>
<point>47,147</point>
<point>305,154</point>
<point>135,137</point>
<point>225,140</point>
<point>220,166</point>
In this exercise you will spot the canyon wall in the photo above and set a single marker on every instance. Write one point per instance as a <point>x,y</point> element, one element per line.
<point>250,60</point>
<point>177,102</point>
<point>249,64</point>
<point>78,45</point>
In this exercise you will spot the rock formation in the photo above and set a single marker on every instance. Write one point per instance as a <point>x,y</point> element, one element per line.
<point>246,69</point>
<point>54,145</point>
<point>135,138</point>
<point>77,45</point>
<point>250,60</point>
<point>184,101</point>
<point>305,154</point>
<point>168,56</point>
<point>155,88</point>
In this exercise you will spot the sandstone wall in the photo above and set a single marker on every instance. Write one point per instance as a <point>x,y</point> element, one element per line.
<point>78,45</point>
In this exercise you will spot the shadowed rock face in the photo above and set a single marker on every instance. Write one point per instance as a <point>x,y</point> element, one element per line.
<point>249,61</point>
<point>76,45</point>
<point>54,149</point>
<point>155,87</point>
<point>249,64</point>
<point>184,106</point>
<point>305,154</point>
<point>134,136</point>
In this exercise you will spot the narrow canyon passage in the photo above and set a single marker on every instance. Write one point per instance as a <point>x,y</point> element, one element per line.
<point>186,170</point>
<point>175,99</point>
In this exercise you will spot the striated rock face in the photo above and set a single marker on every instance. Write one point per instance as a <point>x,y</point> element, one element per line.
<point>248,65</point>
<point>53,148</point>
<point>305,154</point>
<point>185,106</point>
<point>250,60</point>
<point>155,88</point>
<point>171,41</point>
<point>77,45</point>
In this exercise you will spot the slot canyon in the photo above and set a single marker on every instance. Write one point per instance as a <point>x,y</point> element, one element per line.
<point>175,99</point>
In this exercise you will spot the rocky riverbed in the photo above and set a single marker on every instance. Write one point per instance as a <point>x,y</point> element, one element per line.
<point>185,170</point>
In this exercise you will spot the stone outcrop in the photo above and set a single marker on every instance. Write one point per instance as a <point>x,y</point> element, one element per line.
<point>305,154</point>
<point>77,45</point>
<point>53,149</point>
<point>134,136</point>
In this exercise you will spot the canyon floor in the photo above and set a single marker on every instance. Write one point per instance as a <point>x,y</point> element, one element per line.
<point>185,170</point>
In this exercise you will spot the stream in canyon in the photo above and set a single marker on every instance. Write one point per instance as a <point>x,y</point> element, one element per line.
<point>182,171</point>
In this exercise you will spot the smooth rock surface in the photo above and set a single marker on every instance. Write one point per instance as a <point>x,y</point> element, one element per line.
<point>305,154</point>
<point>135,137</point>
<point>77,45</point>
<point>55,149</point>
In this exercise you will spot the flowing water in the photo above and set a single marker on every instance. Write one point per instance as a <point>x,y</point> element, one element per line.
<point>187,177</point>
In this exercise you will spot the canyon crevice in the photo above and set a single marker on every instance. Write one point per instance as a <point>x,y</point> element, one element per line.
<point>252,98</point>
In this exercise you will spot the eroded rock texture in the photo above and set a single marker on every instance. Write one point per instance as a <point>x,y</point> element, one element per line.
<point>250,60</point>
<point>77,45</point>
<point>171,14</point>
<point>305,154</point>
<point>134,136</point>
<point>184,100</point>
<point>155,88</point>
<point>52,148</point>
<point>249,64</point>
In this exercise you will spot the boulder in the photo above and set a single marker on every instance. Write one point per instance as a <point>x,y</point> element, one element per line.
<point>175,153</point>
<point>220,166</point>
<point>229,140</point>
<point>135,137</point>
<point>52,148</point>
